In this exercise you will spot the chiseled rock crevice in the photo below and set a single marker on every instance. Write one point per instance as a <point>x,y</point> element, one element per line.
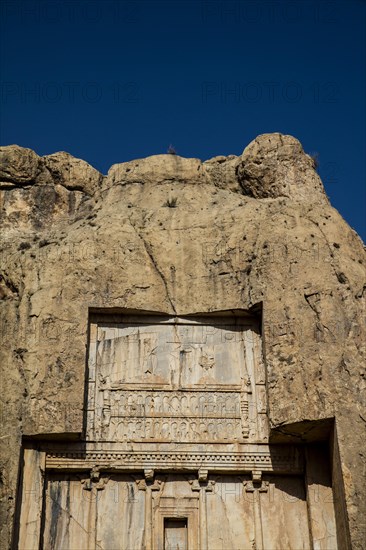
<point>177,235</point>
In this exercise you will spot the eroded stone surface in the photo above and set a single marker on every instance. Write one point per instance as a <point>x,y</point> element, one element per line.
<point>276,166</point>
<point>17,165</point>
<point>260,230</point>
<point>155,170</point>
<point>73,173</point>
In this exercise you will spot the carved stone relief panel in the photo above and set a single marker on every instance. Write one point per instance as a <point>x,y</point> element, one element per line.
<point>160,380</point>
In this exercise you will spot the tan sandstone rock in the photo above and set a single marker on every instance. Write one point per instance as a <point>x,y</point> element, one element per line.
<point>178,236</point>
<point>74,174</point>
<point>276,166</point>
<point>18,165</point>
<point>157,169</point>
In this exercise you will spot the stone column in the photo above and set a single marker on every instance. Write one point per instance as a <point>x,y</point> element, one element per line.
<point>257,486</point>
<point>202,484</point>
<point>148,485</point>
<point>96,482</point>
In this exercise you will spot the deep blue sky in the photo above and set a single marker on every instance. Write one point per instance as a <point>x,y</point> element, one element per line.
<point>110,81</point>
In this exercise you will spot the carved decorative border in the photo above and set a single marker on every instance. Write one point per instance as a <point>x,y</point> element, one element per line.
<point>275,462</point>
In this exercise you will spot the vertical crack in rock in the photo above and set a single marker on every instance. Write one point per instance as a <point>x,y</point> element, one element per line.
<point>252,265</point>
<point>149,252</point>
<point>313,301</point>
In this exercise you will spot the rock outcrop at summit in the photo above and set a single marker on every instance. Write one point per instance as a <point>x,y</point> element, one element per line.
<point>275,166</point>
<point>181,236</point>
<point>19,166</point>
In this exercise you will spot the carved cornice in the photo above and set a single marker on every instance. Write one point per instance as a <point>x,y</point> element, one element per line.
<point>277,461</point>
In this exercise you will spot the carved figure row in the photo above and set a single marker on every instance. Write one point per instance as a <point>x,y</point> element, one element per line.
<point>172,430</point>
<point>124,403</point>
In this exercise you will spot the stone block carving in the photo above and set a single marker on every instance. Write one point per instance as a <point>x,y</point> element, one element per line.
<point>176,380</point>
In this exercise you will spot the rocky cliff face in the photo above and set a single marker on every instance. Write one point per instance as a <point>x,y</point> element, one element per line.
<point>179,235</point>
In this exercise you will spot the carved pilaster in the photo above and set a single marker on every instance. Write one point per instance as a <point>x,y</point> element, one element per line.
<point>202,475</point>
<point>256,486</point>
<point>95,480</point>
<point>148,484</point>
<point>202,485</point>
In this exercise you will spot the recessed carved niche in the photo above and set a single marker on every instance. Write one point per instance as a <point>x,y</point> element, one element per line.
<point>175,452</point>
<point>186,380</point>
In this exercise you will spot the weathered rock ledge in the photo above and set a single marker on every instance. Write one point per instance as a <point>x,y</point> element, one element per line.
<point>47,188</point>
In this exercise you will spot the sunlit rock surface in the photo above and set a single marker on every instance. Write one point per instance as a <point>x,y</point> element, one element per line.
<point>181,236</point>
